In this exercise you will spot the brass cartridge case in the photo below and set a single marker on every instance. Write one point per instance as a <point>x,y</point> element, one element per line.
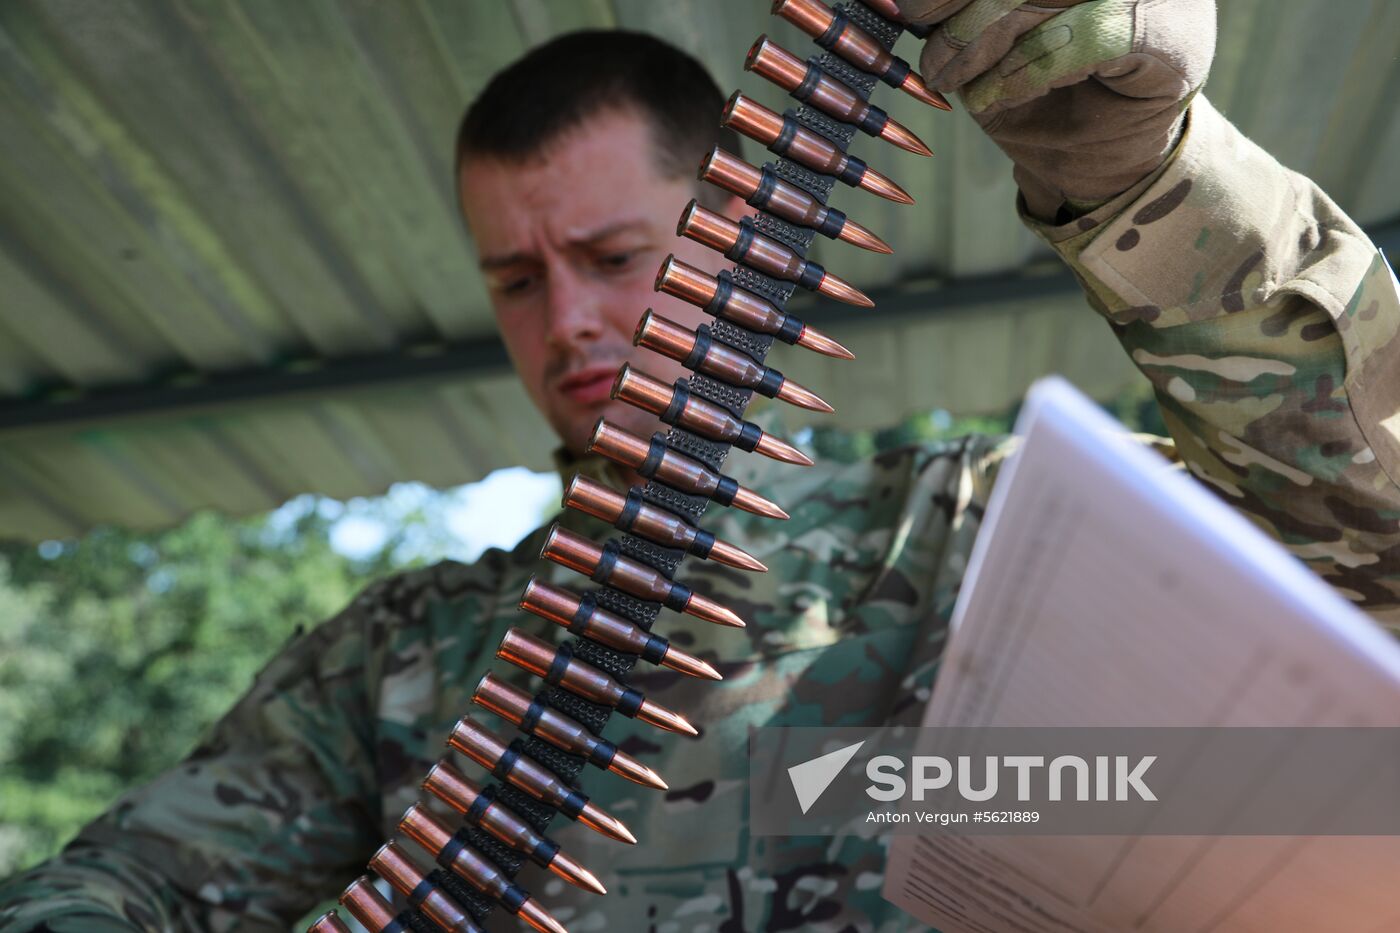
<point>810,84</point>
<point>395,867</point>
<point>563,609</point>
<point>723,235</point>
<point>786,137</point>
<point>632,514</point>
<point>488,749</point>
<point>474,868</point>
<point>330,922</point>
<point>834,32</point>
<point>771,129</point>
<point>557,666</point>
<point>583,616</point>
<point>537,657</point>
<point>697,351</point>
<point>719,296</point>
<point>518,707</point>
<point>721,299</point>
<point>453,788</point>
<point>433,836</point>
<point>675,405</point>
<point>450,786</point>
<point>606,565</point>
<point>763,189</point>
<point>741,242</point>
<point>653,459</point>
<point>509,764</point>
<point>364,902</point>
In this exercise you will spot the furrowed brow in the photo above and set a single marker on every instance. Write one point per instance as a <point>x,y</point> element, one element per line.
<point>590,238</point>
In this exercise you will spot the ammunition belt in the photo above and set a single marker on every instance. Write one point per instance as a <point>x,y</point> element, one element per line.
<point>586,680</point>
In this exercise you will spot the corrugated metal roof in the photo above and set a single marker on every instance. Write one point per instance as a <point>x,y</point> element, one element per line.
<point>194,191</point>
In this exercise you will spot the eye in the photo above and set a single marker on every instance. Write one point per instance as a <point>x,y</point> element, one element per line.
<point>615,261</point>
<point>516,285</point>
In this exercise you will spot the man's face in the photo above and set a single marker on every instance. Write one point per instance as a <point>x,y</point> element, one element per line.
<point>569,244</point>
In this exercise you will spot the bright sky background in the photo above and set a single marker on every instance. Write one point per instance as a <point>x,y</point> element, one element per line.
<point>496,512</point>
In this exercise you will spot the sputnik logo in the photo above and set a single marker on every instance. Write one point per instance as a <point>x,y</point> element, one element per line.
<point>811,778</point>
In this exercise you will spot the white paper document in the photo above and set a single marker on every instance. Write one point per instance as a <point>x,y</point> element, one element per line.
<point>1109,589</point>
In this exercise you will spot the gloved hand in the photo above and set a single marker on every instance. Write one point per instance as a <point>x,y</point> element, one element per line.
<point>1086,96</point>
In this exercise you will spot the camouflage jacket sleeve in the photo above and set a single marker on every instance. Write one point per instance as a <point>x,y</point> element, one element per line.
<point>277,804</point>
<point>1269,328</point>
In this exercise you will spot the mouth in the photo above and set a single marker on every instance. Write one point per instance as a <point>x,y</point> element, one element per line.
<point>588,386</point>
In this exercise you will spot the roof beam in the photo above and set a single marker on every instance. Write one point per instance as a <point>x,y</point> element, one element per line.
<point>488,355</point>
<point>295,377</point>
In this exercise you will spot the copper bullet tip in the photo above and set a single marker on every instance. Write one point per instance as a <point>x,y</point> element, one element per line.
<point>794,394</point>
<point>858,235</point>
<point>813,339</point>
<point>708,610</point>
<point>571,871</point>
<point>833,286</point>
<point>684,663</point>
<point>624,765</point>
<point>726,553</point>
<point>876,183</point>
<point>752,502</point>
<point>663,718</point>
<point>603,822</point>
<point>770,446</point>
<point>901,136</point>
<point>914,86</point>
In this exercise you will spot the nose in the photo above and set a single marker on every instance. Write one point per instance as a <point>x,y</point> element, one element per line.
<point>575,310</point>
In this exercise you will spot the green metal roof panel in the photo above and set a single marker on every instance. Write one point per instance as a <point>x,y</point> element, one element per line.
<point>190,191</point>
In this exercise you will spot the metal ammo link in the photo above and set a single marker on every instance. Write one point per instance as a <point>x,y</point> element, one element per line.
<point>666,560</point>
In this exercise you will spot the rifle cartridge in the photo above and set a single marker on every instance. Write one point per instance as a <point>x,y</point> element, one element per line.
<point>720,297</point>
<point>395,867</point>
<point>583,616</point>
<point>509,763</point>
<point>834,32</point>
<point>472,867</point>
<point>740,242</point>
<point>605,564</point>
<point>374,912</point>
<point>632,514</point>
<point>674,404</point>
<point>653,459</point>
<point>453,788</point>
<point>560,668</point>
<point>534,718</point>
<point>763,189</point>
<point>808,83</point>
<point>784,136</point>
<point>330,922</point>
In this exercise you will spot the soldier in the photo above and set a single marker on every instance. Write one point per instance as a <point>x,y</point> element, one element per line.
<point>1259,311</point>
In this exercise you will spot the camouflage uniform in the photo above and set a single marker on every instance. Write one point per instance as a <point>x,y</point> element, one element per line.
<point>1268,326</point>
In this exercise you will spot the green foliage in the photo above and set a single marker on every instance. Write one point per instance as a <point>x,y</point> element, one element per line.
<point>117,651</point>
<point>1135,407</point>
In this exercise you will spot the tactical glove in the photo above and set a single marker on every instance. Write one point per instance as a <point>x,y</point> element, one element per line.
<point>1087,97</point>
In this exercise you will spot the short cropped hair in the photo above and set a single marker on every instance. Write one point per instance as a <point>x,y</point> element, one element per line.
<point>557,86</point>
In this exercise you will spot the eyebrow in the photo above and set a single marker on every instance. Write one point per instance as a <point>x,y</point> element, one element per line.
<point>587,239</point>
